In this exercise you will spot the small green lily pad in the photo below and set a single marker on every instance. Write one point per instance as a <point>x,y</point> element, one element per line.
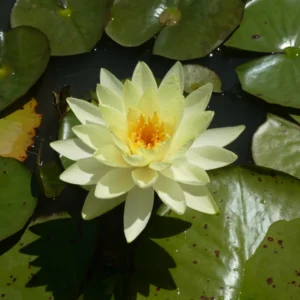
<point>296,118</point>
<point>274,78</point>
<point>16,201</point>
<point>51,259</point>
<point>273,272</point>
<point>207,260</point>
<point>186,28</point>
<point>196,76</point>
<point>276,145</point>
<point>24,55</point>
<point>72,29</point>
<point>268,28</point>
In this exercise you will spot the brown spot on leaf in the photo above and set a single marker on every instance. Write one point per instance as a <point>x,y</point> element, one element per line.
<point>280,242</point>
<point>269,280</point>
<point>255,36</point>
<point>195,262</point>
<point>217,253</point>
<point>205,226</point>
<point>259,179</point>
<point>270,239</point>
<point>265,246</point>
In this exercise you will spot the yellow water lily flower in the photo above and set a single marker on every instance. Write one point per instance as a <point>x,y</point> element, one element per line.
<point>142,139</point>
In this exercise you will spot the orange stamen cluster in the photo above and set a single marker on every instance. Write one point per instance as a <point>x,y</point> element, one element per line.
<point>147,133</point>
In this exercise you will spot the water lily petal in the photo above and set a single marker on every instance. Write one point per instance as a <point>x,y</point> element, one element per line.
<point>149,104</point>
<point>85,112</point>
<point>110,81</point>
<point>199,198</point>
<point>94,207</point>
<point>143,78</point>
<point>199,98</point>
<point>86,171</point>
<point>220,137</point>
<point>144,177</point>
<point>138,208</point>
<point>73,149</point>
<point>112,116</point>
<point>93,135</point>
<point>192,125</point>
<point>114,184</point>
<point>185,172</point>
<point>176,70</point>
<point>171,101</point>
<point>109,97</point>
<point>210,157</point>
<point>160,165</point>
<point>135,160</point>
<point>120,137</point>
<point>170,192</point>
<point>111,155</point>
<point>131,95</point>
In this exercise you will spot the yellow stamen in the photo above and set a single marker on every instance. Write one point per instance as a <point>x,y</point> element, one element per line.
<point>146,133</point>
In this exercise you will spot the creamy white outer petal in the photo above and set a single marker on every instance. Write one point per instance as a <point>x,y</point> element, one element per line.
<point>186,172</point>
<point>112,156</point>
<point>144,177</point>
<point>170,192</point>
<point>135,160</point>
<point>93,135</point>
<point>200,199</point>
<point>85,112</point>
<point>73,149</point>
<point>220,137</point>
<point>210,157</point>
<point>199,98</point>
<point>138,208</point>
<point>143,78</point>
<point>94,207</point>
<point>108,97</point>
<point>176,70</point>
<point>112,116</point>
<point>111,81</point>
<point>160,165</point>
<point>192,125</point>
<point>114,183</point>
<point>86,171</point>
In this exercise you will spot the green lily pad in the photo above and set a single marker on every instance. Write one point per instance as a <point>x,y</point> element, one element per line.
<point>24,55</point>
<point>196,76</point>
<point>186,28</point>
<point>268,28</point>
<point>51,259</point>
<point>16,201</point>
<point>72,29</point>
<point>278,261</point>
<point>274,29</point>
<point>208,259</point>
<point>276,145</point>
<point>296,118</point>
<point>274,78</point>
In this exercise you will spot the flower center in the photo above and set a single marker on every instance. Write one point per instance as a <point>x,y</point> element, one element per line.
<point>147,133</point>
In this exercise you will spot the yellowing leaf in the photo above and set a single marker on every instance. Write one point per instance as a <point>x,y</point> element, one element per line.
<point>17,131</point>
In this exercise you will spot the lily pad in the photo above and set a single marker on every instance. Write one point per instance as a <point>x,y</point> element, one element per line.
<point>71,29</point>
<point>51,259</point>
<point>18,130</point>
<point>275,280</point>
<point>296,118</point>
<point>24,55</point>
<point>268,28</point>
<point>274,78</point>
<point>186,28</point>
<point>16,201</point>
<point>196,76</point>
<point>276,145</point>
<point>274,29</point>
<point>207,261</point>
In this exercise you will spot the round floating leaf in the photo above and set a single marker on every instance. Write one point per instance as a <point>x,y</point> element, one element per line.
<point>24,55</point>
<point>268,28</point>
<point>276,145</point>
<point>208,259</point>
<point>197,75</point>
<point>51,259</point>
<point>73,29</point>
<point>16,201</point>
<point>275,280</point>
<point>188,28</point>
<point>274,78</point>
<point>296,118</point>
<point>17,131</point>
